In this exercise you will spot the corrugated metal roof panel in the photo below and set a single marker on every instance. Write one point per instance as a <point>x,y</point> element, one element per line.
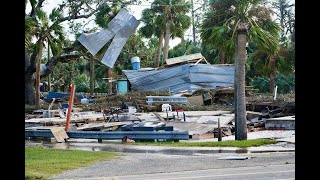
<point>187,77</point>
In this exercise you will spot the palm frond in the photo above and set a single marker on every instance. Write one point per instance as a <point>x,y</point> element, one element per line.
<point>264,40</point>
<point>55,14</point>
<point>41,15</point>
<point>56,28</point>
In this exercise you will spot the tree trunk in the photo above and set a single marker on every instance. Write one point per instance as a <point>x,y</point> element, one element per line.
<point>293,37</point>
<point>272,64</point>
<point>235,82</point>
<point>67,84</point>
<point>91,75</point>
<point>38,76</point>
<point>30,69</point>
<point>110,81</point>
<point>159,49</point>
<point>49,76</point>
<point>29,90</point>
<point>222,57</point>
<point>166,42</point>
<point>49,82</point>
<point>241,121</point>
<point>193,24</point>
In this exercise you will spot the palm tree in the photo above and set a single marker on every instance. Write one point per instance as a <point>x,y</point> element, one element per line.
<point>249,20</point>
<point>174,14</point>
<point>218,14</point>
<point>45,32</point>
<point>154,25</point>
<point>266,65</point>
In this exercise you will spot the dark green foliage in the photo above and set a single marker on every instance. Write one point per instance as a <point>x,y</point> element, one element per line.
<point>285,84</point>
<point>261,83</point>
<point>184,48</point>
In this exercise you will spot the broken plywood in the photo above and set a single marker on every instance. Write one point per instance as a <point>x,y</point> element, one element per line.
<point>59,133</point>
<point>252,115</point>
<point>195,100</point>
<point>185,58</point>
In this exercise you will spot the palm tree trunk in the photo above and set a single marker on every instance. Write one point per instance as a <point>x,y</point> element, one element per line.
<point>293,37</point>
<point>241,121</point>
<point>222,57</point>
<point>49,75</point>
<point>272,64</point>
<point>159,49</point>
<point>193,24</point>
<point>235,82</point>
<point>38,76</point>
<point>166,42</point>
<point>91,75</point>
<point>110,81</point>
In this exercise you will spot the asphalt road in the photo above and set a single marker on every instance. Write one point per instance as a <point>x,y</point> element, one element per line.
<point>272,172</point>
<point>134,166</point>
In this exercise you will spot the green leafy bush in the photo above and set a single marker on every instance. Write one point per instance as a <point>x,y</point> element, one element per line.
<point>286,84</point>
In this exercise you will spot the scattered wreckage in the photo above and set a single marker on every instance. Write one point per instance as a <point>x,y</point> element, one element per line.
<point>153,116</point>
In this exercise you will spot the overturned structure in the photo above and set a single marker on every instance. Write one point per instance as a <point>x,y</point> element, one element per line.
<point>182,78</point>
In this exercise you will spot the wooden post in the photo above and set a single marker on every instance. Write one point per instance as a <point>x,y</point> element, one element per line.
<point>73,87</point>
<point>219,130</point>
<point>167,115</point>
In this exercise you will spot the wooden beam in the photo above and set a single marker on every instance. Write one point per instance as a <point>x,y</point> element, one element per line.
<point>73,88</point>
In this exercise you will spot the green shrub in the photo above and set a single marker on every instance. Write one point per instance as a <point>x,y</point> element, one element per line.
<point>286,84</point>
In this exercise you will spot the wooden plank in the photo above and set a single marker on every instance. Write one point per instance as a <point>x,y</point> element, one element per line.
<point>158,116</point>
<point>184,58</point>
<point>61,121</point>
<point>40,127</point>
<point>59,133</point>
<point>103,125</point>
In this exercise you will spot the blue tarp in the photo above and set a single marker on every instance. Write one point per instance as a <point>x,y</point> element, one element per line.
<point>187,77</point>
<point>59,95</point>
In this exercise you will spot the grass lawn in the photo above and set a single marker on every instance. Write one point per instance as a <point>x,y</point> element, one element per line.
<point>231,143</point>
<point>41,162</point>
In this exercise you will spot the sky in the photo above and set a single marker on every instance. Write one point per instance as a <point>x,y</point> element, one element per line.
<point>135,10</point>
